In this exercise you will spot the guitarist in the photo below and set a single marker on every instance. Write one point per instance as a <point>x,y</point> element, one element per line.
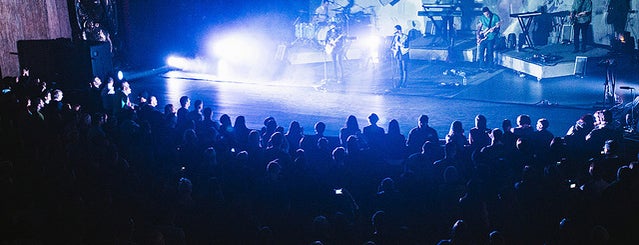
<point>399,47</point>
<point>487,31</point>
<point>335,47</point>
<point>581,16</point>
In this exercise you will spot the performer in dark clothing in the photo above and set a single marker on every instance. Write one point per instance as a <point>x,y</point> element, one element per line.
<point>335,47</point>
<point>581,16</point>
<point>618,15</point>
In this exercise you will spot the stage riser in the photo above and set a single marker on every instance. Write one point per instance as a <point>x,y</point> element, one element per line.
<point>522,61</point>
<point>535,70</point>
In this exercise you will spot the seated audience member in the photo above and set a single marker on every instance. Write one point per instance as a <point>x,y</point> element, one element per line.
<point>524,128</point>
<point>351,128</point>
<point>309,142</point>
<point>603,131</point>
<point>480,132</point>
<point>459,234</point>
<point>240,132</point>
<point>395,143</point>
<point>374,134</point>
<point>294,136</point>
<point>420,134</point>
<point>456,135</point>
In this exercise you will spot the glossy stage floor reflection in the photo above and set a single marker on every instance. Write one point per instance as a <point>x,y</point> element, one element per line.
<point>433,89</point>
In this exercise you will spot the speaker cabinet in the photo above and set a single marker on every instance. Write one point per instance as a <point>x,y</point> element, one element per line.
<point>65,63</point>
<point>580,66</point>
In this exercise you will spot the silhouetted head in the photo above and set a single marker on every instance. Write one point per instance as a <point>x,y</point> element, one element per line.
<point>351,122</point>
<point>542,124</point>
<point>225,120</point>
<point>523,120</point>
<point>393,127</point>
<point>240,121</point>
<point>480,121</point>
<point>506,125</point>
<point>456,128</point>
<point>373,118</point>
<point>320,127</point>
<point>185,101</point>
<point>423,121</point>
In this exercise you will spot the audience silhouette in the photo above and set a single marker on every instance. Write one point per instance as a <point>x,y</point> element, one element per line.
<point>105,170</point>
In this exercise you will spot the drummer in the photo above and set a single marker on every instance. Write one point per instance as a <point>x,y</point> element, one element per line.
<point>321,13</point>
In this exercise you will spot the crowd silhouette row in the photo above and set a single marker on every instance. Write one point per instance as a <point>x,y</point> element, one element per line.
<point>113,168</point>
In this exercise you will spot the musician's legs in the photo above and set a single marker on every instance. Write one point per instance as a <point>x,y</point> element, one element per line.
<point>584,36</point>
<point>480,54</point>
<point>339,59</point>
<point>335,59</point>
<point>403,70</point>
<point>576,29</point>
<point>490,52</point>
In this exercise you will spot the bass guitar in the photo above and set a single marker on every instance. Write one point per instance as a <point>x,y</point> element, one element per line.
<point>483,35</point>
<point>332,44</point>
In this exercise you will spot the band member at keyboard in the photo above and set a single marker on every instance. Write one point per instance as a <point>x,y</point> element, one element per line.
<point>335,47</point>
<point>487,33</point>
<point>399,47</point>
<point>581,16</point>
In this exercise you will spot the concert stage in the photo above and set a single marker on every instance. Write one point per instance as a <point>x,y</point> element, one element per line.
<point>554,60</point>
<point>429,48</point>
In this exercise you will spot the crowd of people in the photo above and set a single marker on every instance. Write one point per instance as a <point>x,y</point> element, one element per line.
<point>114,168</point>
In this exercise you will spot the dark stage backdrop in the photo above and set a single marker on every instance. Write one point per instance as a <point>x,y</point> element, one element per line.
<point>155,29</point>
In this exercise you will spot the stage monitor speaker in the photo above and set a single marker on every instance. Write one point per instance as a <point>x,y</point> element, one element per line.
<point>580,66</point>
<point>65,63</point>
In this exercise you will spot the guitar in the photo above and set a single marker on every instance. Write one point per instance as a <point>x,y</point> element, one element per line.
<point>483,35</point>
<point>575,17</point>
<point>332,43</point>
<point>399,44</point>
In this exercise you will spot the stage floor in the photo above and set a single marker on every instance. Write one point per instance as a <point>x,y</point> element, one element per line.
<point>434,88</point>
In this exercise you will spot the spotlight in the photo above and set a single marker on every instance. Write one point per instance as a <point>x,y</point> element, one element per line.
<point>120,75</point>
<point>176,62</point>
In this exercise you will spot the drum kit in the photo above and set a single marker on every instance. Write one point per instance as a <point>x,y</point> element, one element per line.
<point>314,30</point>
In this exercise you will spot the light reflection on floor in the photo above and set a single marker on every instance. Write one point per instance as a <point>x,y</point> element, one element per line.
<point>301,101</point>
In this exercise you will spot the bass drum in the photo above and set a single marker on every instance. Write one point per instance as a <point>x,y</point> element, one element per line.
<point>322,32</point>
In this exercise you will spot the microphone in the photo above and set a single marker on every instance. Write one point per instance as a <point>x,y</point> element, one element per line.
<point>625,87</point>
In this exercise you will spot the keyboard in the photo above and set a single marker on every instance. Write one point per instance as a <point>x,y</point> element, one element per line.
<point>455,13</point>
<point>525,14</point>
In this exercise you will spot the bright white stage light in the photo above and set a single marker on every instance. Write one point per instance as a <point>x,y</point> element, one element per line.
<point>373,43</point>
<point>120,75</point>
<point>177,62</point>
<point>237,48</point>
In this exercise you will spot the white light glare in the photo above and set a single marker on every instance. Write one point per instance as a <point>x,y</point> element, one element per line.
<point>373,42</point>
<point>120,75</point>
<point>237,48</point>
<point>177,62</point>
